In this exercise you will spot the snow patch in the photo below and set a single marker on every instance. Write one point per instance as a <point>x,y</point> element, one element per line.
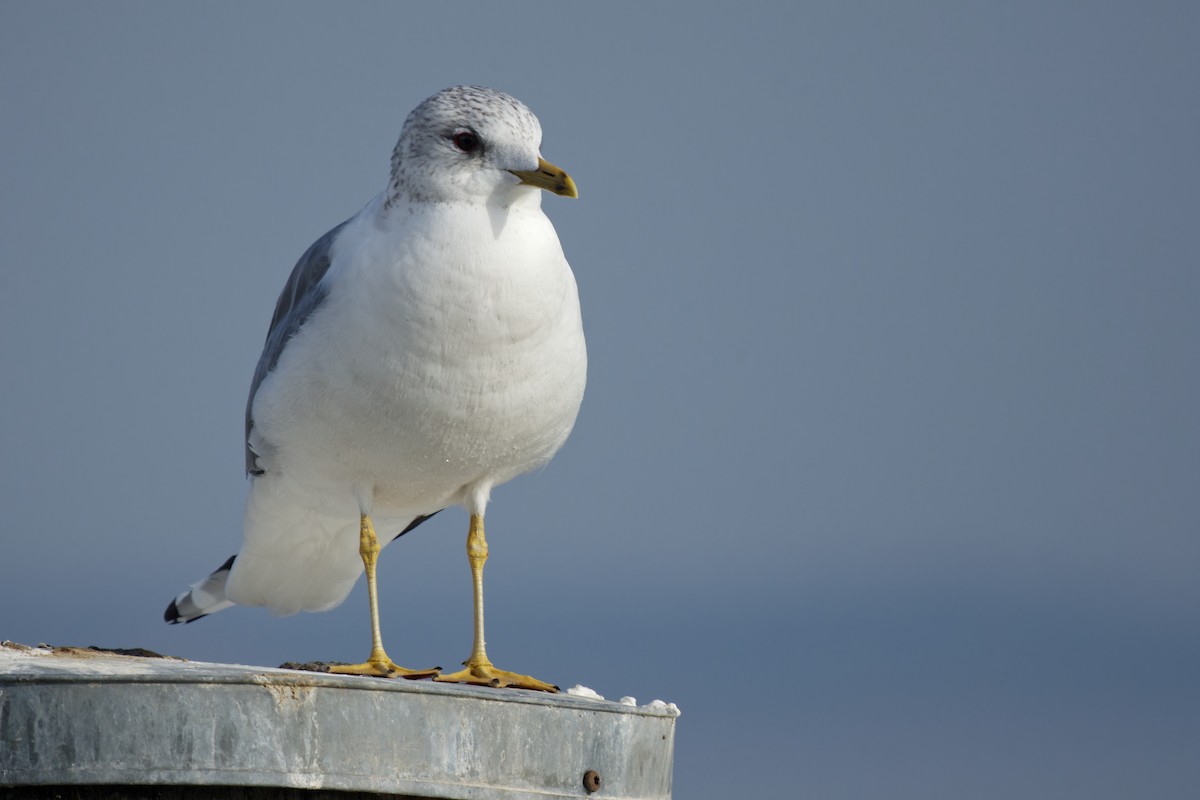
<point>659,705</point>
<point>582,691</point>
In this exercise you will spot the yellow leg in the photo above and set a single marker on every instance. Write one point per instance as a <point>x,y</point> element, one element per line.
<point>378,662</point>
<point>478,669</point>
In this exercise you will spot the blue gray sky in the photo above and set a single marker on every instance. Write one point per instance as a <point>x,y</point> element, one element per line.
<point>887,471</point>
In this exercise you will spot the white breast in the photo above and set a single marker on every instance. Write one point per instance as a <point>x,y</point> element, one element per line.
<point>436,361</point>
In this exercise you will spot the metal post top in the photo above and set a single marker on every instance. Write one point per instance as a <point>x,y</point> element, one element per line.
<point>73,716</point>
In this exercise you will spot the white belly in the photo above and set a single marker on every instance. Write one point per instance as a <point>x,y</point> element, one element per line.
<point>431,371</point>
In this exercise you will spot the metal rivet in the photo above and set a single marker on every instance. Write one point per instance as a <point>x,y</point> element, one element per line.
<point>591,781</point>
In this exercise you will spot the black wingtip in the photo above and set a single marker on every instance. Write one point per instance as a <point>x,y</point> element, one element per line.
<point>417,522</point>
<point>173,617</point>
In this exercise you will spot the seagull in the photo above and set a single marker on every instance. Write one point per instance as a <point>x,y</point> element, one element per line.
<point>422,353</point>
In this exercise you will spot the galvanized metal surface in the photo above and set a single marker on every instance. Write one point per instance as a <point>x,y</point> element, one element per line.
<point>72,717</point>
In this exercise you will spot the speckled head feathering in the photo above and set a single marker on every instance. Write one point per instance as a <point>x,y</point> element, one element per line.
<point>461,144</point>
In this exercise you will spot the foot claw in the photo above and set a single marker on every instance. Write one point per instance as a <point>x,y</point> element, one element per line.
<point>487,675</point>
<point>384,669</point>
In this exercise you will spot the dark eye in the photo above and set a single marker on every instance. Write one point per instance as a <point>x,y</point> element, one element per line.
<point>466,141</point>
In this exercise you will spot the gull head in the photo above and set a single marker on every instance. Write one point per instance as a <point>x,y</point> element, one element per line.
<point>470,144</point>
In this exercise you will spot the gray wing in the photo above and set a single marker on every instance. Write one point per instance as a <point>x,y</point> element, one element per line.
<point>301,296</point>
